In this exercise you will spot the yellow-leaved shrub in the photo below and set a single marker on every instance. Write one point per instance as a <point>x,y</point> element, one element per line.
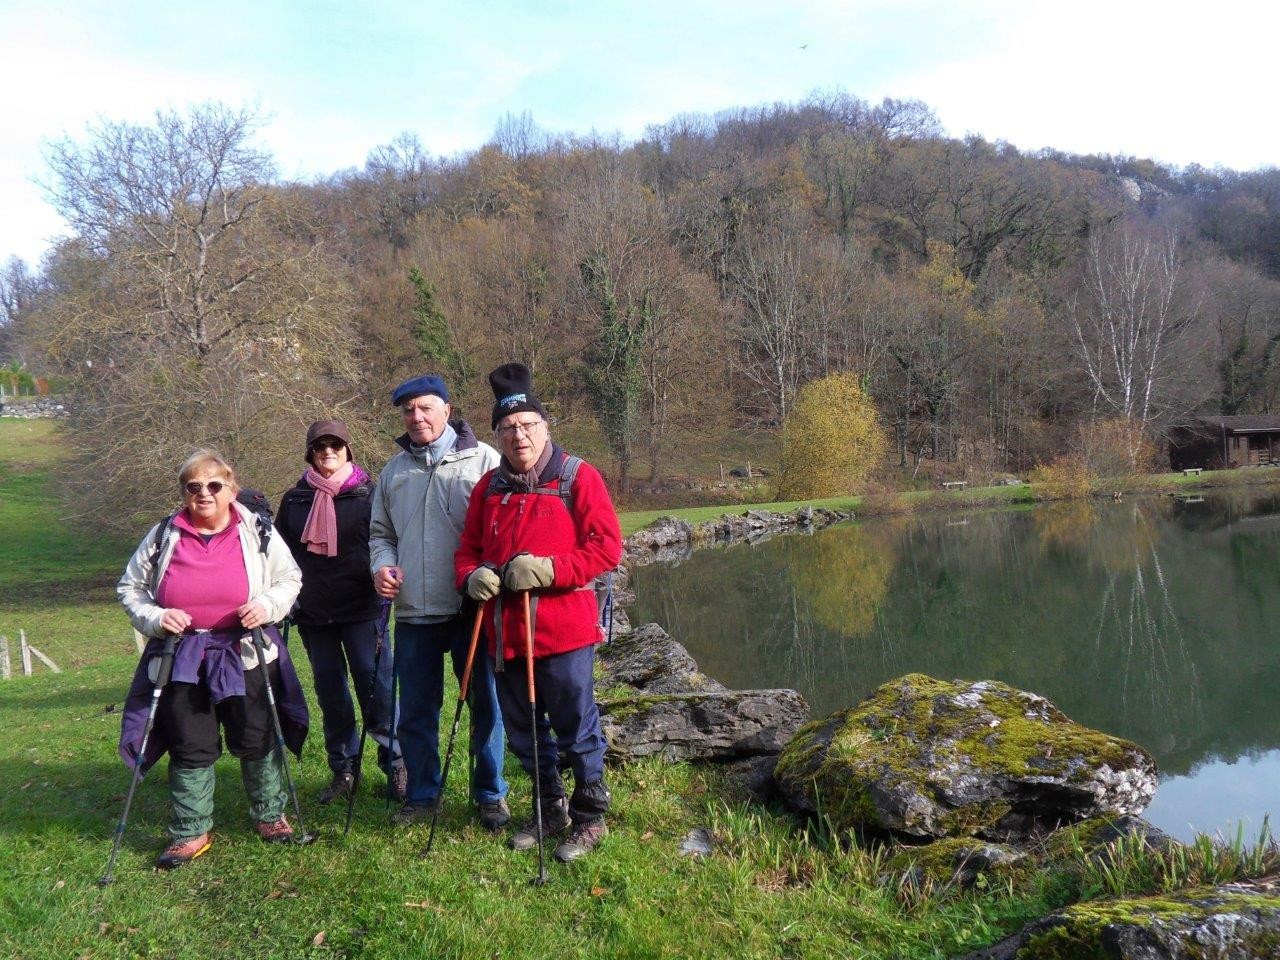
<point>830,440</point>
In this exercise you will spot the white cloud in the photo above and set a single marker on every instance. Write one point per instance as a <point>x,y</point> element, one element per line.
<point>1168,82</point>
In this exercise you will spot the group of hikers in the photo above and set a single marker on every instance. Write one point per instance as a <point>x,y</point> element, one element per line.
<point>463,539</point>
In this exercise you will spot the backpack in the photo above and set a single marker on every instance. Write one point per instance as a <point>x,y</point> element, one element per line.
<point>254,500</point>
<point>602,585</point>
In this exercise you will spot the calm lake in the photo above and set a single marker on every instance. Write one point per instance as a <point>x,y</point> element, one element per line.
<point>1155,619</point>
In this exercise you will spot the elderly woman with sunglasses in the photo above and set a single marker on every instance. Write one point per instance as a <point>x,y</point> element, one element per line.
<point>210,574</point>
<point>325,522</point>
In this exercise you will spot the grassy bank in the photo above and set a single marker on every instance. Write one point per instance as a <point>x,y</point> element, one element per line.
<point>772,887</point>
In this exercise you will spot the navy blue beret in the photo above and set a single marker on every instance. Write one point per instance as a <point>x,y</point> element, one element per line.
<point>419,386</point>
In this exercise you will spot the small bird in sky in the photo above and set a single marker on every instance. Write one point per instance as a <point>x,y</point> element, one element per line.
<point>804,46</point>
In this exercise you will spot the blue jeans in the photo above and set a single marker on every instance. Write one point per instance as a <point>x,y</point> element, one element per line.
<point>420,651</point>
<point>334,651</point>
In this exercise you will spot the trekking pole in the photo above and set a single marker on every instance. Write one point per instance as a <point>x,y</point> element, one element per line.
<point>260,648</point>
<point>463,687</point>
<point>162,679</point>
<point>541,878</point>
<point>366,709</point>
<point>392,740</point>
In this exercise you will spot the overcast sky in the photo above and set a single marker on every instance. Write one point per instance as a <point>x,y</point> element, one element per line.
<point>1180,82</point>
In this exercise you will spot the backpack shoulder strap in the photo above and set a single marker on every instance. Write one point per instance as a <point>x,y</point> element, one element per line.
<point>161,538</point>
<point>568,473</point>
<point>264,532</point>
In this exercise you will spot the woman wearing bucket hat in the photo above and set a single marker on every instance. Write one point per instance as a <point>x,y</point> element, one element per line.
<point>325,522</point>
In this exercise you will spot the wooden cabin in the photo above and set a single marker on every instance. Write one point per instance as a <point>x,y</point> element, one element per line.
<point>1216,443</point>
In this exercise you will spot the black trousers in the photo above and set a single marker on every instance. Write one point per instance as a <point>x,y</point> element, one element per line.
<point>191,719</point>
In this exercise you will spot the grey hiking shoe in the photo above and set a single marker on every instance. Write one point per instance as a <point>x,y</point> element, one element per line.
<point>584,838</point>
<point>555,821</point>
<point>411,813</point>
<point>493,816</point>
<point>342,783</point>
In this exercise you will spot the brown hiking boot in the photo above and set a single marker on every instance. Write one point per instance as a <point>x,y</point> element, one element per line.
<point>341,785</point>
<point>398,782</point>
<point>555,821</point>
<point>275,831</point>
<point>584,838</point>
<point>181,852</point>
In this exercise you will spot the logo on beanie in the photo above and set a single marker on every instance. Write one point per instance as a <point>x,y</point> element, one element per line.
<point>513,399</point>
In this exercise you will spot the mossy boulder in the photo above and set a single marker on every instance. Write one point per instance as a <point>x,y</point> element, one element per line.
<point>927,759</point>
<point>960,862</point>
<point>1225,923</point>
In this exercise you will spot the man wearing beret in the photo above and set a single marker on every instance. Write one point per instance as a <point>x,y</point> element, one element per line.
<point>542,522</point>
<point>418,511</point>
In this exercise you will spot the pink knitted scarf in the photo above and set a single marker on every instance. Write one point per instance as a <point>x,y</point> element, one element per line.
<point>320,533</point>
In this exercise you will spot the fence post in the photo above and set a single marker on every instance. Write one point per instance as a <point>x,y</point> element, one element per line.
<point>4,658</point>
<point>26,653</point>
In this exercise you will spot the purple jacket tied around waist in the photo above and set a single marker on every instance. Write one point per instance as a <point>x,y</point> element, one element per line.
<point>211,657</point>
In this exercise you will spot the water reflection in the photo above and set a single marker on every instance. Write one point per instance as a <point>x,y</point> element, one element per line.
<point>1153,619</point>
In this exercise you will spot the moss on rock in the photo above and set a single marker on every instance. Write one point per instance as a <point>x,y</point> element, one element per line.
<point>933,758</point>
<point>1197,923</point>
<point>960,861</point>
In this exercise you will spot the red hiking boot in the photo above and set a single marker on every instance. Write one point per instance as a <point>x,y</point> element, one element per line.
<point>181,852</point>
<point>275,831</point>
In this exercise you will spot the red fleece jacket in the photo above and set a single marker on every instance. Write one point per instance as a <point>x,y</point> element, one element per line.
<point>581,547</point>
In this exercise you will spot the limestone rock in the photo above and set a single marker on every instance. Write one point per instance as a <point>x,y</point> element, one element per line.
<point>1224,923</point>
<point>927,759</point>
<point>663,532</point>
<point>648,659</point>
<point>722,725</point>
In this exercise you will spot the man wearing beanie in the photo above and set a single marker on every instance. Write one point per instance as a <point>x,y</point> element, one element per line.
<point>418,510</point>
<point>543,522</point>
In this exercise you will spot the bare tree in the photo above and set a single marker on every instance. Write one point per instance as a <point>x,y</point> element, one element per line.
<point>196,306</point>
<point>1128,318</point>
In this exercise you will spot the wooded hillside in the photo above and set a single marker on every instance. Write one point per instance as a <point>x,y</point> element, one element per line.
<point>997,306</point>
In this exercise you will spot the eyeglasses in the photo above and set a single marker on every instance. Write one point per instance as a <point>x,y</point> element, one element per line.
<point>511,429</point>
<point>195,487</point>
<point>325,444</point>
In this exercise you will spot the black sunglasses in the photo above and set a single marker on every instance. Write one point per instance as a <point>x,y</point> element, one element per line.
<point>326,444</point>
<point>195,487</point>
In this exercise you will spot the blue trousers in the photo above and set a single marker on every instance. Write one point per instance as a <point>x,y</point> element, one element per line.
<point>336,650</point>
<point>565,692</point>
<point>420,652</point>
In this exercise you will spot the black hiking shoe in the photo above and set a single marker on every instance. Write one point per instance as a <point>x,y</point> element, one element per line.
<point>493,816</point>
<point>555,821</point>
<point>584,838</point>
<point>340,786</point>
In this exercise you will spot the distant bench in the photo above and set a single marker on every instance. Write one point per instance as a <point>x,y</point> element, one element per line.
<point>954,484</point>
<point>1192,471</point>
